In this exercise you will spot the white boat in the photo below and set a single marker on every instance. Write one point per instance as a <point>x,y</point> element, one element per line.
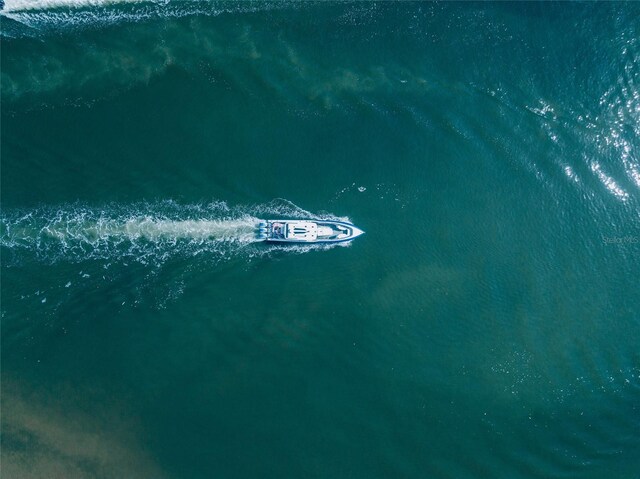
<point>307,231</point>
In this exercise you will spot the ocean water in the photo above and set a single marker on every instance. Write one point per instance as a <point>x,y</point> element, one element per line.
<point>486,326</point>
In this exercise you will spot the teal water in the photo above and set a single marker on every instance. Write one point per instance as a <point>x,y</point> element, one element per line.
<point>488,323</point>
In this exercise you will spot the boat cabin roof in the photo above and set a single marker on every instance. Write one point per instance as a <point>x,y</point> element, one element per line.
<point>302,231</point>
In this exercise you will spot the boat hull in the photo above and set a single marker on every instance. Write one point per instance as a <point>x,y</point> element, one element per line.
<point>307,231</point>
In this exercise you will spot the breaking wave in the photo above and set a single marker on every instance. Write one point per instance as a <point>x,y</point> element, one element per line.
<point>46,15</point>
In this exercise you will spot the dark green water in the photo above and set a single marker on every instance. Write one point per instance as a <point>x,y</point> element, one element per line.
<point>486,326</point>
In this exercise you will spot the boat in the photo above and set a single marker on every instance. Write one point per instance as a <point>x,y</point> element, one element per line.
<point>307,231</point>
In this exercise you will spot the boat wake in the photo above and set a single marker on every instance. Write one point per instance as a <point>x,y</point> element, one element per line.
<point>145,232</point>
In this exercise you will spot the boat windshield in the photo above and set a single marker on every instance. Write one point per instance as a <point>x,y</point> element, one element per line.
<point>278,230</point>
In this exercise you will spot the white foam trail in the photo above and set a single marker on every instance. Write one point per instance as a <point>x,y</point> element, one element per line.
<point>147,228</point>
<point>155,230</point>
<point>11,6</point>
<point>239,230</point>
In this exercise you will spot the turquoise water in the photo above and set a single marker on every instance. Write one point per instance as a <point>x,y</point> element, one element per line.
<point>487,325</point>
